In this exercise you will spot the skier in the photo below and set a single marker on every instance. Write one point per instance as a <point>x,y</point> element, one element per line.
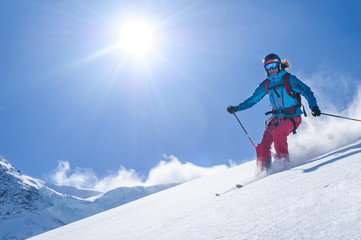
<point>284,92</point>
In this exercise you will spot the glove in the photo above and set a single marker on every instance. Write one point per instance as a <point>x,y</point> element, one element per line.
<point>232,109</point>
<point>315,112</point>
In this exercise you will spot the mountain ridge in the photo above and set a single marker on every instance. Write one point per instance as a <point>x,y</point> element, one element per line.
<point>30,206</point>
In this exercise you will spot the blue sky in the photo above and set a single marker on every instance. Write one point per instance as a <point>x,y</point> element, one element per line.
<point>66,97</point>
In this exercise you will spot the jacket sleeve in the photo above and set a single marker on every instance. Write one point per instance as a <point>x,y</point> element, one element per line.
<point>258,94</point>
<point>300,87</point>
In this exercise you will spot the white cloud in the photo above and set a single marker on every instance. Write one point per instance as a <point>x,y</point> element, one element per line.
<point>170,170</point>
<point>123,177</point>
<point>173,171</point>
<point>80,178</point>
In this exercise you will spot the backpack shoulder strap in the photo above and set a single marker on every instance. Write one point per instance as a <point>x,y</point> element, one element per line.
<point>286,83</point>
<point>266,83</point>
<point>290,92</point>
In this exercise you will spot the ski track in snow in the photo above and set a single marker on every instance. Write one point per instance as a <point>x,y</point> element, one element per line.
<point>320,199</point>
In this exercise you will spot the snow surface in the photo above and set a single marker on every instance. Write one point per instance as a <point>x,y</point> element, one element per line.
<point>320,199</point>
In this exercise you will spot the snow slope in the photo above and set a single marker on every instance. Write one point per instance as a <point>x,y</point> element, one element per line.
<point>320,199</point>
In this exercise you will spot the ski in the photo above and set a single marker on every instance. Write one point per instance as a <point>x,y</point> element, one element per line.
<point>276,168</point>
<point>229,190</point>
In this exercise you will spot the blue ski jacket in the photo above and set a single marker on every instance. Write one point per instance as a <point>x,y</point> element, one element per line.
<point>278,96</point>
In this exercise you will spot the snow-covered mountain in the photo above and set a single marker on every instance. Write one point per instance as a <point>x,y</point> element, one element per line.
<point>30,206</point>
<point>319,199</point>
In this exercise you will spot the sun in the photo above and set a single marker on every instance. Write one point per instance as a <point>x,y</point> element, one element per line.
<point>136,38</point>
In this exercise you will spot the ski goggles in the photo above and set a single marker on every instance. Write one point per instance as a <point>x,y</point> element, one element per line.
<point>271,65</point>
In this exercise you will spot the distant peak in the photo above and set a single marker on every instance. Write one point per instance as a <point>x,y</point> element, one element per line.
<point>6,166</point>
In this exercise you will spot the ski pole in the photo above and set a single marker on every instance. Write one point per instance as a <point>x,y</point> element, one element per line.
<point>331,115</point>
<point>245,130</point>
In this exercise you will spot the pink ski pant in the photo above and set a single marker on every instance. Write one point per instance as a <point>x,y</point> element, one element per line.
<point>276,132</point>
